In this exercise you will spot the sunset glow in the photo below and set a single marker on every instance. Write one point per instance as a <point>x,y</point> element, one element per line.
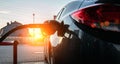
<point>36,35</point>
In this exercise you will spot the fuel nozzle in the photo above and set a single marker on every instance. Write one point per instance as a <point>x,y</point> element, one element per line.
<point>49,27</point>
<point>53,26</point>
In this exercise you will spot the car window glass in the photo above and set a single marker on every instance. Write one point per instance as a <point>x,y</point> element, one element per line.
<point>87,2</point>
<point>70,7</point>
<point>59,14</point>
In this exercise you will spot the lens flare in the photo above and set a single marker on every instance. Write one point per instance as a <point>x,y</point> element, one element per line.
<point>36,35</point>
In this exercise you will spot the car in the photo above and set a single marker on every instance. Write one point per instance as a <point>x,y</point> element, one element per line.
<point>96,28</point>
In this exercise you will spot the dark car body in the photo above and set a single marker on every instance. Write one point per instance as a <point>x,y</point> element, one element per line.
<point>91,46</point>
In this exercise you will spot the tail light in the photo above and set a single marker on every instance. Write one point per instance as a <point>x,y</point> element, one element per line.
<point>104,16</point>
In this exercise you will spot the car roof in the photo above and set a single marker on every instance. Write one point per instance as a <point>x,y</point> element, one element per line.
<point>102,1</point>
<point>108,1</point>
<point>84,3</point>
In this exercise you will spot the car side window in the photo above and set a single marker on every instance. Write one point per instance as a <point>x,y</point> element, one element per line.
<point>70,7</point>
<point>59,14</point>
<point>87,2</point>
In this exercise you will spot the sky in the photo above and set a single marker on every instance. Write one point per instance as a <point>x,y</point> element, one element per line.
<point>22,10</point>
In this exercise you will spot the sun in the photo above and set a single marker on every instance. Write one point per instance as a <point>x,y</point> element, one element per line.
<point>36,34</point>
